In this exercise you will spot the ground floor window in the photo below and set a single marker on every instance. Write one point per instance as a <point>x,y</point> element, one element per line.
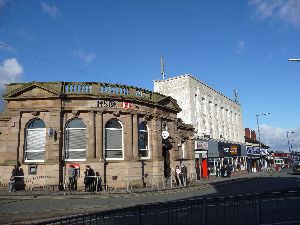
<point>75,140</point>
<point>35,141</point>
<point>143,140</point>
<point>114,140</point>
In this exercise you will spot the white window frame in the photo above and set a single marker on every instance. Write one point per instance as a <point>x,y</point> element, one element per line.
<point>74,150</point>
<point>26,151</point>
<point>148,144</point>
<point>122,141</point>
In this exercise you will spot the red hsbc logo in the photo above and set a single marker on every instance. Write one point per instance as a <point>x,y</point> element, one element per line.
<point>127,105</point>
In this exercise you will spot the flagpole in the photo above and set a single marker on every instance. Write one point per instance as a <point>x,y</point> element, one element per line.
<point>162,67</point>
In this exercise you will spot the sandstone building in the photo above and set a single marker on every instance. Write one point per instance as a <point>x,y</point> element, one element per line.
<point>116,129</point>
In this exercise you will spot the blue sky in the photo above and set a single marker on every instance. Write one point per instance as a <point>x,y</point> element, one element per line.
<point>229,45</point>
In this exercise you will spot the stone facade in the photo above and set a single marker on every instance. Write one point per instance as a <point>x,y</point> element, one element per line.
<point>55,104</point>
<point>212,114</point>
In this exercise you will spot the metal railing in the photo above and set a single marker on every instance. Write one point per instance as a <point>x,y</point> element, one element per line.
<point>130,183</point>
<point>29,183</point>
<point>254,209</point>
<point>109,89</point>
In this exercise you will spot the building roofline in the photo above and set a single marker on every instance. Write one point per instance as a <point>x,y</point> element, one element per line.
<point>191,76</point>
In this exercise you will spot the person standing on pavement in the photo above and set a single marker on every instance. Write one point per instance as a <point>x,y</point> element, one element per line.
<point>89,178</point>
<point>228,168</point>
<point>72,177</point>
<point>222,170</point>
<point>98,182</point>
<point>177,175</point>
<point>12,180</point>
<point>183,174</point>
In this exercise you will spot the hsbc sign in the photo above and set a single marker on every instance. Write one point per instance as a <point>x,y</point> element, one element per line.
<point>126,105</point>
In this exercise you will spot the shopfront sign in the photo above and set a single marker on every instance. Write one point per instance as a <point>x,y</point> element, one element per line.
<point>253,151</point>
<point>200,144</point>
<point>229,149</point>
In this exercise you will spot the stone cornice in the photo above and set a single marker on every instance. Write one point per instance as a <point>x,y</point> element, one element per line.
<point>90,90</point>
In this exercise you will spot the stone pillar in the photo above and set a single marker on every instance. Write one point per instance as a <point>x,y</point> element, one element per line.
<point>53,151</point>
<point>157,139</point>
<point>128,137</point>
<point>15,148</point>
<point>91,151</point>
<point>99,136</point>
<point>135,138</point>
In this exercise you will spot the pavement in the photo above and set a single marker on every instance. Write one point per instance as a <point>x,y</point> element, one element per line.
<point>201,184</point>
<point>24,207</point>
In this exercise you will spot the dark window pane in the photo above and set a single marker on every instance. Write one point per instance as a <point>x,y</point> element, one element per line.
<point>113,123</point>
<point>36,123</point>
<point>76,123</point>
<point>143,126</point>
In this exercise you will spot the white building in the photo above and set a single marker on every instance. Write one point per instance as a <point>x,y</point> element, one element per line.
<point>212,114</point>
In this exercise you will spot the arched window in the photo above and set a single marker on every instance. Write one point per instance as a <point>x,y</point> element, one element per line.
<point>114,140</point>
<point>164,126</point>
<point>75,140</point>
<point>143,140</point>
<point>35,141</point>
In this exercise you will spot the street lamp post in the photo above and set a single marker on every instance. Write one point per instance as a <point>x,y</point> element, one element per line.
<point>287,136</point>
<point>263,114</point>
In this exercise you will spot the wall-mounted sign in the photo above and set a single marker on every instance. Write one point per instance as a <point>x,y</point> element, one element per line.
<point>113,104</point>
<point>32,169</point>
<point>253,151</point>
<point>229,150</point>
<point>165,134</point>
<point>106,104</point>
<point>126,105</point>
<point>199,144</point>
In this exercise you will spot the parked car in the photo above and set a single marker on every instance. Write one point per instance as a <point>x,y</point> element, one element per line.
<point>296,169</point>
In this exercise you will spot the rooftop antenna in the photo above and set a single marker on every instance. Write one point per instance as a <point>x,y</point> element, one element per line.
<point>236,96</point>
<point>162,67</point>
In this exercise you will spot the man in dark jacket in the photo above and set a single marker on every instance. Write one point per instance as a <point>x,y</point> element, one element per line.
<point>89,177</point>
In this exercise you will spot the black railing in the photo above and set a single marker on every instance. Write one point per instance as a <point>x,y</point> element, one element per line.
<point>256,209</point>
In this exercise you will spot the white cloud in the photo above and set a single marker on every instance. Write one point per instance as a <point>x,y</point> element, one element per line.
<point>10,71</point>
<point>240,46</point>
<point>51,10</point>
<point>86,57</point>
<point>287,11</point>
<point>276,137</point>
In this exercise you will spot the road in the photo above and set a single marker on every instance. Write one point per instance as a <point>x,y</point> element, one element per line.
<point>23,209</point>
